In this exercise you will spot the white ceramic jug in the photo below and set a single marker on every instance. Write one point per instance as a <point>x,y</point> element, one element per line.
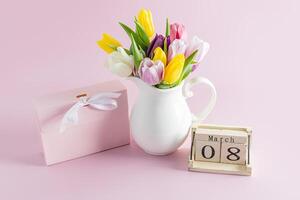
<point>160,119</point>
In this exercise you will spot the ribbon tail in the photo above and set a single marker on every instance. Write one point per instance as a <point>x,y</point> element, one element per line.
<point>71,116</point>
<point>104,101</point>
<point>104,104</point>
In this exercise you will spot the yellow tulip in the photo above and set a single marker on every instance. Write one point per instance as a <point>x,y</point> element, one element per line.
<point>174,69</point>
<point>145,19</point>
<point>159,54</point>
<point>108,43</point>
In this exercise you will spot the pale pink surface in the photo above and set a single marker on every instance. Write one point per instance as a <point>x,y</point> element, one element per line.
<point>253,61</point>
<point>95,130</point>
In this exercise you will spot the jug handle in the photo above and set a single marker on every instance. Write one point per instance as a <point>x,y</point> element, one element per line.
<point>187,93</point>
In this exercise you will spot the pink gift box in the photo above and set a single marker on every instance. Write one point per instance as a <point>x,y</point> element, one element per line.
<point>95,131</point>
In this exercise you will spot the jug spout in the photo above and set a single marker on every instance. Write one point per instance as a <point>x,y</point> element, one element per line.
<point>139,83</point>
<point>134,79</point>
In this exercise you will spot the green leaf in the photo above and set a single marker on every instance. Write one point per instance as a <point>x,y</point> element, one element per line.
<point>127,29</point>
<point>164,85</point>
<point>186,71</point>
<point>167,27</point>
<point>190,59</point>
<point>127,51</point>
<point>130,32</point>
<point>141,33</point>
<point>137,55</point>
<point>166,34</point>
<point>142,52</point>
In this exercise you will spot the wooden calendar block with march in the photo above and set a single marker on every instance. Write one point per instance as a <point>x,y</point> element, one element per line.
<point>220,149</point>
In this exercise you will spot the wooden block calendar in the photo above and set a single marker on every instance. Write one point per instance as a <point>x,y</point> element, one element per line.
<point>220,149</point>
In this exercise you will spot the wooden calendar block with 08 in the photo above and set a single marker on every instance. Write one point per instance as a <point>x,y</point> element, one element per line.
<point>220,149</point>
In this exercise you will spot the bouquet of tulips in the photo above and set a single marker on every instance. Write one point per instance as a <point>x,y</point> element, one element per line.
<point>162,61</point>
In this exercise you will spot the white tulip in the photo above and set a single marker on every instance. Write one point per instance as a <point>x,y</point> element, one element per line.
<point>178,46</point>
<point>120,63</point>
<point>200,45</point>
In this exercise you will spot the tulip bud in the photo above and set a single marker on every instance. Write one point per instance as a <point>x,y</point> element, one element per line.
<point>174,69</point>
<point>151,72</point>
<point>120,63</point>
<point>145,19</point>
<point>108,43</point>
<point>177,32</point>
<point>158,41</point>
<point>159,54</point>
<point>176,47</point>
<point>201,46</point>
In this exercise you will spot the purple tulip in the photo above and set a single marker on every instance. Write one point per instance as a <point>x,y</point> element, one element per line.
<point>151,72</point>
<point>168,41</point>
<point>158,41</point>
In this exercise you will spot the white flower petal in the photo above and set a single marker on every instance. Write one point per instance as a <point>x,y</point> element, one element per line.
<point>121,69</point>
<point>120,63</point>
<point>203,50</point>
<point>197,44</point>
<point>178,46</point>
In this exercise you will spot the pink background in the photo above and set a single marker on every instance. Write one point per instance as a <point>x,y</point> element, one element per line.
<point>46,46</point>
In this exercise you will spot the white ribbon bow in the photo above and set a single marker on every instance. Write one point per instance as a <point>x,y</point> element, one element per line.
<point>101,101</point>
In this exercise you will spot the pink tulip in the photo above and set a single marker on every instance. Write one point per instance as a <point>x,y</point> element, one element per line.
<point>201,46</point>
<point>176,47</point>
<point>151,72</point>
<point>177,31</point>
